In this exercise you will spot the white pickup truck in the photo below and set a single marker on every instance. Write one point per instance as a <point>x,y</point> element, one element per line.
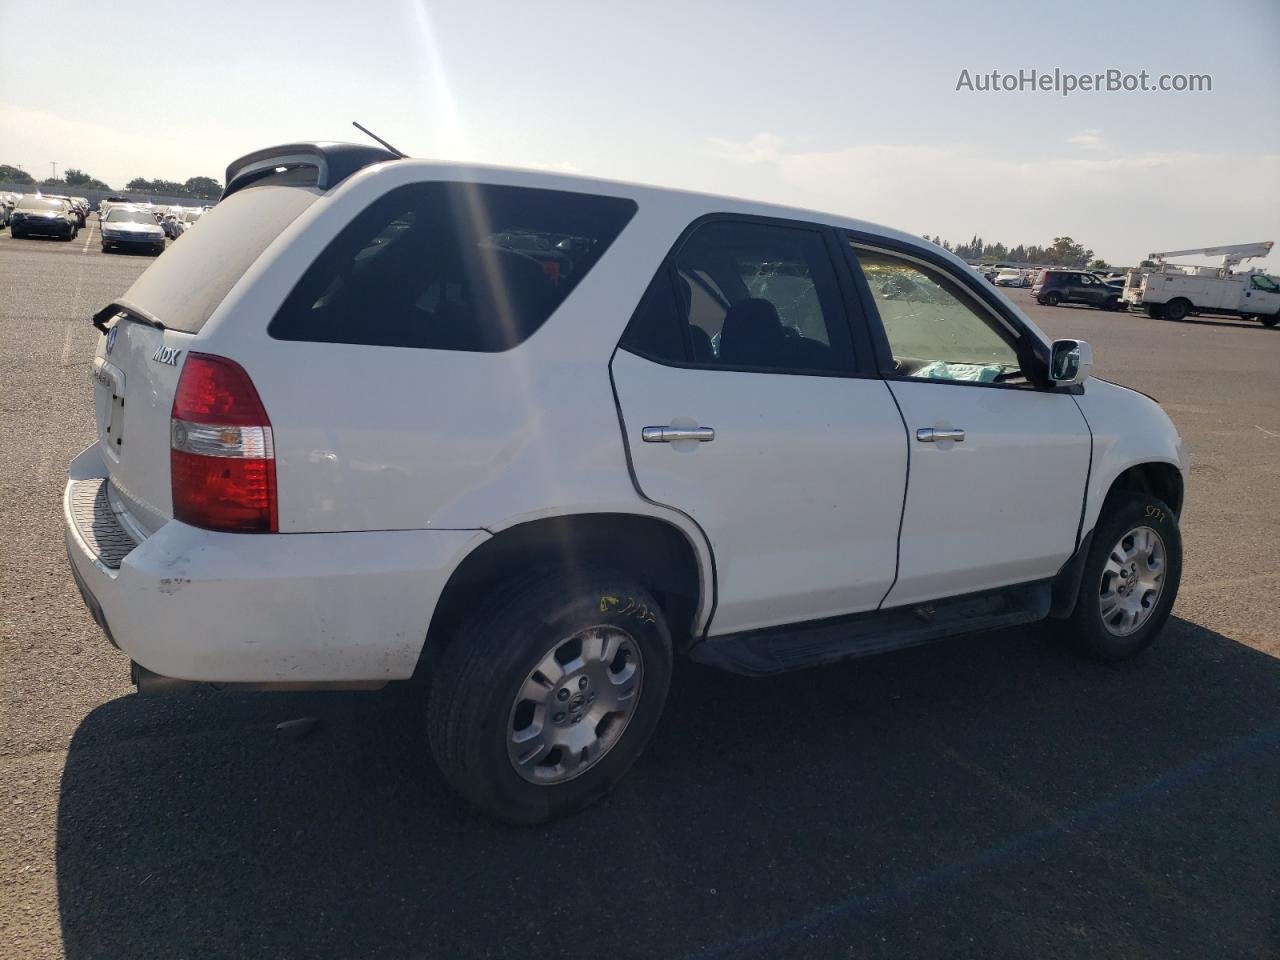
<point>1172,292</point>
<point>528,436</point>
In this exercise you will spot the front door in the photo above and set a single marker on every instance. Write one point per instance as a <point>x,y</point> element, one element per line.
<point>742,407</point>
<point>998,467</point>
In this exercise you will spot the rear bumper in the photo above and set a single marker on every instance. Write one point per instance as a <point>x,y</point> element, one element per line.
<point>197,605</point>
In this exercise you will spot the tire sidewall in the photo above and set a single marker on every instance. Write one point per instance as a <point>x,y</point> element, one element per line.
<point>1126,515</point>
<point>600,600</point>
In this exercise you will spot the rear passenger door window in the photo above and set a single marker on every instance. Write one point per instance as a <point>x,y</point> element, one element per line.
<point>450,266</point>
<point>746,295</point>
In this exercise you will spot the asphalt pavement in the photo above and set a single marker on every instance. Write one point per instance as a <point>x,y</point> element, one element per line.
<point>991,796</point>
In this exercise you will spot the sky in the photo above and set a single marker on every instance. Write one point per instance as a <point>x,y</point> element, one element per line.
<point>848,107</point>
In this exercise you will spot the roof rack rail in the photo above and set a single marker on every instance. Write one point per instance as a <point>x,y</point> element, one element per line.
<point>333,161</point>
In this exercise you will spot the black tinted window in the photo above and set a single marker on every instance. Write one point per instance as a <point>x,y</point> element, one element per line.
<point>451,266</point>
<point>746,295</point>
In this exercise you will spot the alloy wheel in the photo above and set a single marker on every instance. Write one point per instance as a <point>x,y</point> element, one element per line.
<point>1132,581</point>
<point>574,706</point>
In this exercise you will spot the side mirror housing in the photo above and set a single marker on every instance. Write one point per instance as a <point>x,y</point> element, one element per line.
<point>1070,362</point>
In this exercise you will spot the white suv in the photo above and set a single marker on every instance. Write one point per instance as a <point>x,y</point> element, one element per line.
<point>525,436</point>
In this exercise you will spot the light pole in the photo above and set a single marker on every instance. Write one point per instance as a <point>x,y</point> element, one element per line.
<point>53,165</point>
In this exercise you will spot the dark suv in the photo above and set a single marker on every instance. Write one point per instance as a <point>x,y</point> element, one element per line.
<point>1073,286</point>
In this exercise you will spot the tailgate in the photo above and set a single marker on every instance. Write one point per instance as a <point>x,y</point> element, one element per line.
<point>135,373</point>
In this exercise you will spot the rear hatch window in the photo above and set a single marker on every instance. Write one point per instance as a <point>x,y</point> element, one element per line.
<point>192,277</point>
<point>451,266</point>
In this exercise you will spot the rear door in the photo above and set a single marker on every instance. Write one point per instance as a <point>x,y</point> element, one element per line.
<point>998,466</point>
<point>745,405</point>
<point>151,328</point>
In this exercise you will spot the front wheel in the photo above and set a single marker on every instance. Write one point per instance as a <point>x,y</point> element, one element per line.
<point>546,696</point>
<point>1270,321</point>
<point>1130,579</point>
<point>1052,299</point>
<point>1177,309</point>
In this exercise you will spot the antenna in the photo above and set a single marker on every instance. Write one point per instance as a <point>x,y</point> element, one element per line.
<point>366,130</point>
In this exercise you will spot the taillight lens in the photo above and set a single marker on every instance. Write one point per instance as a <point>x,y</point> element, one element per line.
<point>221,461</point>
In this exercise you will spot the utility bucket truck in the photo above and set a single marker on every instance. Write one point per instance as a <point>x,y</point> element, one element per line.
<point>1172,292</point>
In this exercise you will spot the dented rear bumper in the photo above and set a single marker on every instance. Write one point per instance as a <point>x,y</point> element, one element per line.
<point>192,604</point>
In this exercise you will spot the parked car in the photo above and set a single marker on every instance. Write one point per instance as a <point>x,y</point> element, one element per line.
<point>79,214</point>
<point>1073,286</point>
<point>184,222</point>
<point>131,228</point>
<point>381,439</point>
<point>104,207</point>
<point>1010,278</point>
<point>6,209</point>
<point>35,215</point>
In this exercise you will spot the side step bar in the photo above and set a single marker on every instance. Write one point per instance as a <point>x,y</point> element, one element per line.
<point>759,653</point>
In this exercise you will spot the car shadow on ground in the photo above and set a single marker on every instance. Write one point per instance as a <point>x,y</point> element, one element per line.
<point>990,796</point>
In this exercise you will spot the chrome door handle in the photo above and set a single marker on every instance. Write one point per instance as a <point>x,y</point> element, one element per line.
<point>932,435</point>
<point>671,434</point>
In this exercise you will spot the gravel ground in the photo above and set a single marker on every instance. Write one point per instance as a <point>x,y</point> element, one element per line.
<point>991,796</point>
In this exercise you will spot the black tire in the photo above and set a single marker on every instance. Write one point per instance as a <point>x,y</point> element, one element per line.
<point>475,684</point>
<point>1085,627</point>
<point>1270,321</point>
<point>1155,311</point>
<point>1052,298</point>
<point>1177,309</point>
<point>1112,304</point>
<point>17,234</point>
<point>71,235</point>
<point>105,248</point>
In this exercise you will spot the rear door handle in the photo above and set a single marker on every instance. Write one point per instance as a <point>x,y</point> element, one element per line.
<point>933,435</point>
<point>671,434</point>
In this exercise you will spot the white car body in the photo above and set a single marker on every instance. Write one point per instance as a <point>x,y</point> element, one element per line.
<point>1010,278</point>
<point>394,465</point>
<point>1244,293</point>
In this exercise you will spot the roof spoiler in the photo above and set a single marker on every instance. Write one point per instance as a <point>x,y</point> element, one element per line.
<point>334,162</point>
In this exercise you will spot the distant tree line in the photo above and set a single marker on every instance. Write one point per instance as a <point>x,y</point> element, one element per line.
<point>198,188</point>
<point>1063,252</point>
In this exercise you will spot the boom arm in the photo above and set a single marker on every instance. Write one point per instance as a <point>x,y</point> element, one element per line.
<point>1231,254</point>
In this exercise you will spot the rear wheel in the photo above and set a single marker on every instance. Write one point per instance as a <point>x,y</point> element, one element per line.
<point>1130,579</point>
<point>1177,309</point>
<point>1113,303</point>
<point>548,694</point>
<point>1052,298</point>
<point>1270,321</point>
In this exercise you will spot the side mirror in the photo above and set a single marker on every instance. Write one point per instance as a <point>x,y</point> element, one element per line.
<point>1070,362</point>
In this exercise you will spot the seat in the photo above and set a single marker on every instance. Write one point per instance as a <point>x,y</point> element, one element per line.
<point>752,335</point>
<point>703,351</point>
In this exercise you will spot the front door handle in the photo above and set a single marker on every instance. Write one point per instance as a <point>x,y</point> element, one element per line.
<point>672,434</point>
<point>933,435</point>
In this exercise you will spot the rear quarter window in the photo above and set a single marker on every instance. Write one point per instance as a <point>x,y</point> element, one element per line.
<point>451,266</point>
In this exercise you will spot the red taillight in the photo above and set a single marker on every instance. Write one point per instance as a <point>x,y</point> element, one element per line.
<point>222,460</point>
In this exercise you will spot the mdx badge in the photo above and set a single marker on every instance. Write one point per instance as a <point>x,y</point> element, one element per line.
<point>167,355</point>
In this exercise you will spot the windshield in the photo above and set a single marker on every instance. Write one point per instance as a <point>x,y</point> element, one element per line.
<point>39,203</point>
<point>130,216</point>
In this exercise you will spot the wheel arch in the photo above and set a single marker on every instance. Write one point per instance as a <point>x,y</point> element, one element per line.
<point>1157,478</point>
<point>654,550</point>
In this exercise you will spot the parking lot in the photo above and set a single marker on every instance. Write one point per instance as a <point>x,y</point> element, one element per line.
<point>990,796</point>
